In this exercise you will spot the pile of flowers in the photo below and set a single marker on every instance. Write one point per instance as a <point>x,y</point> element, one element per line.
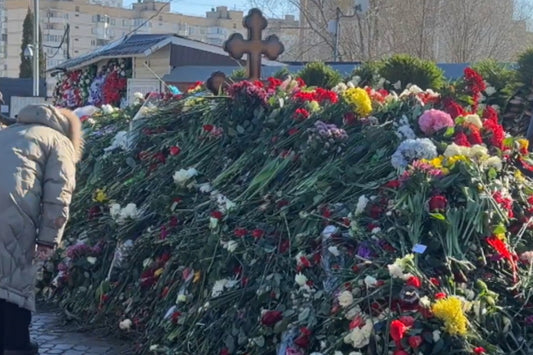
<point>286,219</point>
<point>94,85</point>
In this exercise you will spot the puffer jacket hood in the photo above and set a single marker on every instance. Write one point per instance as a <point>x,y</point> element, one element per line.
<point>63,121</point>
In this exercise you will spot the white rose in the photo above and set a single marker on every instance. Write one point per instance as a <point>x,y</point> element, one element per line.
<point>91,260</point>
<point>493,162</point>
<point>114,210</point>
<point>370,281</point>
<point>345,298</point>
<point>474,119</point>
<point>436,335</point>
<point>395,271</point>
<point>361,205</point>
<point>232,246</point>
<point>300,279</point>
<point>334,250</point>
<point>125,324</point>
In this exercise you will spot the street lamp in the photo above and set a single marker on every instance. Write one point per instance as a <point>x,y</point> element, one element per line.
<point>31,52</point>
<point>360,7</point>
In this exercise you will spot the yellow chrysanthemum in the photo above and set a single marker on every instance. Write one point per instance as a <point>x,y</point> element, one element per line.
<point>519,176</point>
<point>100,196</point>
<point>524,143</point>
<point>436,162</point>
<point>454,159</point>
<point>360,101</point>
<point>450,311</point>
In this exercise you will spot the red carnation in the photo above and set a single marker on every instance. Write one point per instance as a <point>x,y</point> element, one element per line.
<point>440,295</point>
<point>453,108</point>
<point>208,127</point>
<point>407,320</point>
<point>461,139</point>
<point>474,137</point>
<point>240,232</point>
<point>216,214</point>
<point>357,322</point>
<point>301,114</point>
<point>269,318</point>
<point>174,150</point>
<point>258,233</point>
<point>479,350</point>
<point>414,281</point>
<point>397,331</point>
<point>437,203</point>
<point>414,341</point>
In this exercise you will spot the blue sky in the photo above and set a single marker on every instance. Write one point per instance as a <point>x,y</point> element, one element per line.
<point>200,7</point>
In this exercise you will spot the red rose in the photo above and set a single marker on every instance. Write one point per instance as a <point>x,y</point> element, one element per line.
<point>175,317</point>
<point>414,341</point>
<point>414,281</point>
<point>407,320</point>
<point>437,203</point>
<point>440,295</point>
<point>208,127</point>
<point>240,232</point>
<point>301,114</point>
<point>479,350</point>
<point>397,331</point>
<point>434,281</point>
<point>462,140</point>
<point>303,340</point>
<point>357,322</point>
<point>258,233</point>
<point>349,118</point>
<point>216,214</point>
<point>269,318</point>
<point>174,150</point>
<point>453,108</point>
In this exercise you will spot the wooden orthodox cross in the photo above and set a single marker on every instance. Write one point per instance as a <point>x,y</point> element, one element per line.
<point>254,46</point>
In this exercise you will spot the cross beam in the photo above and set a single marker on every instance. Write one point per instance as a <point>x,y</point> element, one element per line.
<point>254,46</point>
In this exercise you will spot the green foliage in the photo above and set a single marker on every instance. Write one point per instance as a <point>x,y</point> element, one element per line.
<point>525,67</point>
<point>282,74</point>
<point>27,38</point>
<point>368,73</point>
<point>407,69</point>
<point>499,76</point>
<point>239,74</point>
<point>319,74</point>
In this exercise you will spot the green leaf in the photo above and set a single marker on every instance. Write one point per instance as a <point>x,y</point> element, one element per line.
<point>449,132</point>
<point>438,216</point>
<point>492,173</point>
<point>500,229</point>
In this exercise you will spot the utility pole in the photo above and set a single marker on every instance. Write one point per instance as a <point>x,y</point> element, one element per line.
<point>36,48</point>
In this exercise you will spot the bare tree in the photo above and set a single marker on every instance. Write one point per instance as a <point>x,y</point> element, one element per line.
<point>441,30</point>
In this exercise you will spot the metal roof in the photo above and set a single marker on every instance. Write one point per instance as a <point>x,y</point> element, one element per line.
<point>141,45</point>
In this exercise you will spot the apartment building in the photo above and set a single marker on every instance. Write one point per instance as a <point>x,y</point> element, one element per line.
<point>94,23</point>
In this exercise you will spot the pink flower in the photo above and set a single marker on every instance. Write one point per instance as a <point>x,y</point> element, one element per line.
<point>433,120</point>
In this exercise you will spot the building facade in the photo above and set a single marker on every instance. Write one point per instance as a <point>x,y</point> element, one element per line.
<point>95,23</point>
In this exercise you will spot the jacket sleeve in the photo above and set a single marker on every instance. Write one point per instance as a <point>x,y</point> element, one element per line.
<point>58,185</point>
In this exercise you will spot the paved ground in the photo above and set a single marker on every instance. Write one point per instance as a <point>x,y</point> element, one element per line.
<point>54,336</point>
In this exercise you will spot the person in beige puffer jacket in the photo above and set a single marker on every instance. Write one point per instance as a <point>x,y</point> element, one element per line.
<point>38,157</point>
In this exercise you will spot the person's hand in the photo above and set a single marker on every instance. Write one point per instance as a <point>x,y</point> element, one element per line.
<point>43,252</point>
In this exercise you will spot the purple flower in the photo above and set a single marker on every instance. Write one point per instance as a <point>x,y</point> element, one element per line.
<point>364,251</point>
